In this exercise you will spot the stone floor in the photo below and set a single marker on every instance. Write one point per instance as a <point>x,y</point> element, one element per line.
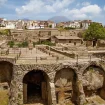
<point>4,97</point>
<point>35,104</point>
<point>35,100</point>
<point>95,100</point>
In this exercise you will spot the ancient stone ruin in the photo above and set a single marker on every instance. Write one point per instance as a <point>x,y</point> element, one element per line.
<point>41,76</point>
<point>53,84</point>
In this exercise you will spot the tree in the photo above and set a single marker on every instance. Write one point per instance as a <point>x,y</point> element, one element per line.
<point>61,29</point>
<point>5,32</point>
<point>94,32</point>
<point>50,26</point>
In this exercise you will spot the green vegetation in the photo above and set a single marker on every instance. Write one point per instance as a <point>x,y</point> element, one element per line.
<point>4,97</point>
<point>19,45</point>
<point>61,29</point>
<point>94,32</point>
<point>36,43</point>
<point>11,44</point>
<point>5,32</point>
<point>23,44</point>
<point>66,28</point>
<point>44,42</point>
<point>50,26</point>
<point>48,43</point>
<point>80,34</point>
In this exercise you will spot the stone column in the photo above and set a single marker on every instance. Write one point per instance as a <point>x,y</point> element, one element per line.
<point>16,88</point>
<point>13,93</point>
<point>53,95</point>
<point>82,99</point>
<point>25,93</point>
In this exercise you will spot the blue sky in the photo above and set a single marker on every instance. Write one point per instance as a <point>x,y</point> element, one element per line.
<point>45,9</point>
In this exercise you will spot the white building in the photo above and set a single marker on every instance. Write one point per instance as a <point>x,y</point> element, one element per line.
<point>10,25</point>
<point>54,25</point>
<point>86,23</point>
<point>73,24</point>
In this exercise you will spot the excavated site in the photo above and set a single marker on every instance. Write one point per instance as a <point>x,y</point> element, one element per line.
<point>64,74</point>
<point>39,77</point>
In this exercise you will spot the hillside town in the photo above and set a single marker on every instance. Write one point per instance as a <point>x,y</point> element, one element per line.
<point>32,24</point>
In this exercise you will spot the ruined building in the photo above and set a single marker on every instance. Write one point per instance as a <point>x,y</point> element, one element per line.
<point>33,76</point>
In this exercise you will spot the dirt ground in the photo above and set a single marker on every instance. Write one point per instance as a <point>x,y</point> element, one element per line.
<point>4,97</point>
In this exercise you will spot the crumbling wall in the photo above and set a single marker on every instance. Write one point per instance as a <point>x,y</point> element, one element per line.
<point>94,82</point>
<point>65,84</point>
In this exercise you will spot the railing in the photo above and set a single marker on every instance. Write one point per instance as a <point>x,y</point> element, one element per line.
<point>39,60</point>
<point>50,58</point>
<point>6,54</point>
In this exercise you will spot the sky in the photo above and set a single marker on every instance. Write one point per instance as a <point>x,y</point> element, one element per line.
<point>45,9</point>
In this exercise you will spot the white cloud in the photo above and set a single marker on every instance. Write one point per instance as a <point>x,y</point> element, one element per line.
<point>104,8</point>
<point>2,1</point>
<point>93,9</point>
<point>84,12</point>
<point>86,3</point>
<point>38,6</point>
<point>34,6</point>
<point>59,7</point>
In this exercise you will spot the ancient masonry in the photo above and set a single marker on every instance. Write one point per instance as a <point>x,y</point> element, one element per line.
<point>78,80</point>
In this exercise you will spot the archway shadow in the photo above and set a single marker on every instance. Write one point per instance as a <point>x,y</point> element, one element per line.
<point>36,87</point>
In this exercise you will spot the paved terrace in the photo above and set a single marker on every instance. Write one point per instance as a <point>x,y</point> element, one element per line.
<point>39,56</point>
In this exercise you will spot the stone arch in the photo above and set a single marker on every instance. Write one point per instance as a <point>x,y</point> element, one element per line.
<point>29,68</point>
<point>73,67</point>
<point>6,73</point>
<point>94,82</point>
<point>9,60</point>
<point>93,63</point>
<point>66,86</point>
<point>36,84</point>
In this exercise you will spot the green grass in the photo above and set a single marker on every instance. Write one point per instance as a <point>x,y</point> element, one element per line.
<point>4,97</point>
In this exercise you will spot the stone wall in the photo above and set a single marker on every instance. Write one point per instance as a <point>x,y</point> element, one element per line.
<point>19,71</point>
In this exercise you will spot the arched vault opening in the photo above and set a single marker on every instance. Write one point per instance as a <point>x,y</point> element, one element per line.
<point>6,72</point>
<point>94,82</point>
<point>36,88</point>
<point>66,86</point>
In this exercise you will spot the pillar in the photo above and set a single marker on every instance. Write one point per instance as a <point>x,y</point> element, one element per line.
<point>53,95</point>
<point>16,87</point>
<point>82,99</point>
<point>25,92</point>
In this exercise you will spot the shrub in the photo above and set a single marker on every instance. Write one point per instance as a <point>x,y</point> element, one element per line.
<point>25,44</point>
<point>11,44</point>
<point>44,42</point>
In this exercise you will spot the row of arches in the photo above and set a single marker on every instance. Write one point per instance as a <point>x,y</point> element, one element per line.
<point>36,84</point>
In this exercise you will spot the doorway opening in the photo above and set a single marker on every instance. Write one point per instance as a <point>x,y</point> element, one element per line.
<point>36,88</point>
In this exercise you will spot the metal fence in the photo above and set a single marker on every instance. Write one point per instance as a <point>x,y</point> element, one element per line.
<point>50,59</point>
